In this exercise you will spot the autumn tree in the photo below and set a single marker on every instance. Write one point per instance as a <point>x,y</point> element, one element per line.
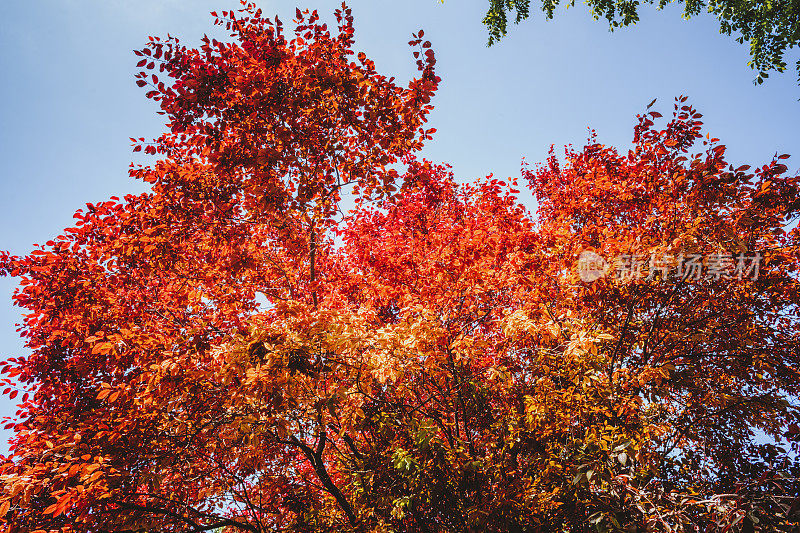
<point>137,412</point>
<point>771,29</point>
<point>231,351</point>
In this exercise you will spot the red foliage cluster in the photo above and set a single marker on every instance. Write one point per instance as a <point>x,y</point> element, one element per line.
<point>231,351</point>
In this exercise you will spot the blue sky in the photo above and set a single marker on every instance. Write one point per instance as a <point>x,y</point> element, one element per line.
<point>68,101</point>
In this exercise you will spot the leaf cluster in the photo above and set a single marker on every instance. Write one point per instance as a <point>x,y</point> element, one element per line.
<point>771,29</point>
<point>232,352</point>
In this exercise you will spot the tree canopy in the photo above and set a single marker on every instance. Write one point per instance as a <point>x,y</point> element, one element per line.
<point>231,351</point>
<point>770,28</point>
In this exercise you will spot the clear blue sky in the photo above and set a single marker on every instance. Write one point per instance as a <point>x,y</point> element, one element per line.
<point>68,102</point>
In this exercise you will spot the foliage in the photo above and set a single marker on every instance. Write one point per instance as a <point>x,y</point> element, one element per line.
<point>771,28</point>
<point>232,352</point>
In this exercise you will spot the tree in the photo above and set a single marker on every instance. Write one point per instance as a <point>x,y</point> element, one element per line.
<point>231,352</point>
<point>771,28</point>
